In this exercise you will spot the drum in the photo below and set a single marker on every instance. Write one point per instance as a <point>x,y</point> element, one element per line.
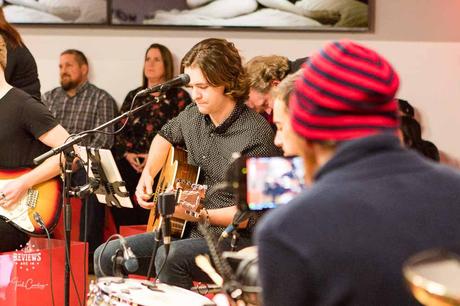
<point>108,291</point>
<point>434,277</point>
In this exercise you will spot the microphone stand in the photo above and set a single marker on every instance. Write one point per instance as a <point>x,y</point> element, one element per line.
<point>165,208</point>
<point>69,156</point>
<point>68,193</point>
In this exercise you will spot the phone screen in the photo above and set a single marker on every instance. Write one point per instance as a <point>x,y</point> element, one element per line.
<point>273,181</point>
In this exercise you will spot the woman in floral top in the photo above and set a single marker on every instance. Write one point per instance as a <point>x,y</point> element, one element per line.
<point>133,143</point>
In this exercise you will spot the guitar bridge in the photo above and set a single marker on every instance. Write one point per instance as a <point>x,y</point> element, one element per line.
<point>31,198</point>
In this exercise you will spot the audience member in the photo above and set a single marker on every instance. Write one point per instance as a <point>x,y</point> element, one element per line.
<point>411,132</point>
<point>412,138</point>
<point>21,70</point>
<point>29,130</point>
<point>80,106</point>
<point>132,144</point>
<point>411,135</point>
<point>265,73</point>
<point>211,129</point>
<point>281,118</point>
<point>371,205</point>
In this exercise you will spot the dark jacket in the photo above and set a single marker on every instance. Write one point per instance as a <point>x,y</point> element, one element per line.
<point>344,241</point>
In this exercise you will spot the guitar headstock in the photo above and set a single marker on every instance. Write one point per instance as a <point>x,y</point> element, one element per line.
<point>191,199</point>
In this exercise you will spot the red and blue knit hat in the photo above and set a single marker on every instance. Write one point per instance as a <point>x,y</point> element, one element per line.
<point>346,91</point>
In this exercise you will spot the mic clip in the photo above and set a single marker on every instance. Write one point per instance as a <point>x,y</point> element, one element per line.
<point>83,191</point>
<point>117,267</point>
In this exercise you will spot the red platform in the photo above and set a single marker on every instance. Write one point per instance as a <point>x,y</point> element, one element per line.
<point>58,233</point>
<point>25,274</point>
<point>129,230</point>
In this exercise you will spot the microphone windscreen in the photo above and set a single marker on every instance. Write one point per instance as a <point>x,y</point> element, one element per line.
<point>131,265</point>
<point>185,78</point>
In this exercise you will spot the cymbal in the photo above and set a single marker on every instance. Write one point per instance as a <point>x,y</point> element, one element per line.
<point>434,277</point>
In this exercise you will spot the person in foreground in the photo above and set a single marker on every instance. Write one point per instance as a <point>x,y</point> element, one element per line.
<point>372,203</point>
<point>211,129</point>
<point>28,130</point>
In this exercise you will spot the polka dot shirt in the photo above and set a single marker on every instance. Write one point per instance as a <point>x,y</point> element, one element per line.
<point>211,147</point>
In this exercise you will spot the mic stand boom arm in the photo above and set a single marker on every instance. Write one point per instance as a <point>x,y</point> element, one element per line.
<point>81,136</point>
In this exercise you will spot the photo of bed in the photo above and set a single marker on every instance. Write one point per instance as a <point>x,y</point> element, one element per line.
<point>275,14</point>
<point>55,11</point>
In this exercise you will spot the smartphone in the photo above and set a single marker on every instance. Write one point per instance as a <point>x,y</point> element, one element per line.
<point>271,181</point>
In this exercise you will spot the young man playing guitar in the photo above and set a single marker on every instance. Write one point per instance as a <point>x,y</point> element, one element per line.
<point>211,129</point>
<point>28,130</point>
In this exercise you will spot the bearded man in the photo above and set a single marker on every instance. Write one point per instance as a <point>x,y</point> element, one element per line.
<point>80,106</point>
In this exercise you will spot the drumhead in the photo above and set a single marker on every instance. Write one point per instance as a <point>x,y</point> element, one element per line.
<point>143,293</point>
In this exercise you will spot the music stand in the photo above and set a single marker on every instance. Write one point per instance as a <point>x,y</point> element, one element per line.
<point>69,155</point>
<point>105,179</point>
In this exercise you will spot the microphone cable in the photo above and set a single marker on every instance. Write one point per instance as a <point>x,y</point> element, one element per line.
<point>222,266</point>
<point>42,225</point>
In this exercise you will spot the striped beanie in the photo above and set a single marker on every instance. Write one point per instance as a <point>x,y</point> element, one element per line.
<point>346,91</point>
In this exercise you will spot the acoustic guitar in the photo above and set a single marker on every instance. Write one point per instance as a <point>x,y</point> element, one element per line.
<point>43,199</point>
<point>175,171</point>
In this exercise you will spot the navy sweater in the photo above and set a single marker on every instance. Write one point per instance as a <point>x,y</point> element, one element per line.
<point>344,241</point>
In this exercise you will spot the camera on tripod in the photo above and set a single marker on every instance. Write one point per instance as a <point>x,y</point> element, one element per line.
<point>260,183</point>
<point>245,285</point>
<point>257,184</point>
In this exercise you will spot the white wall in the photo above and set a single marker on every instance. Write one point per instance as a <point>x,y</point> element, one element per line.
<point>419,37</point>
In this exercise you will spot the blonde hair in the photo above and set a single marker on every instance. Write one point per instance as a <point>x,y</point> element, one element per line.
<point>263,70</point>
<point>284,89</point>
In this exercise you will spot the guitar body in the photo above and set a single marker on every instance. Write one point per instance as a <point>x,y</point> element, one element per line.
<point>43,198</point>
<point>174,170</point>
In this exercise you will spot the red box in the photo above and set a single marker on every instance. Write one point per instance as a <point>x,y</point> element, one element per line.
<point>25,274</point>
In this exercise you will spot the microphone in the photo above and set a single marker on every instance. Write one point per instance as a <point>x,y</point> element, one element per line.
<point>130,262</point>
<point>166,207</point>
<point>239,217</point>
<point>178,81</point>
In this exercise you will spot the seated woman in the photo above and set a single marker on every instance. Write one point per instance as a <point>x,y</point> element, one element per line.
<point>132,144</point>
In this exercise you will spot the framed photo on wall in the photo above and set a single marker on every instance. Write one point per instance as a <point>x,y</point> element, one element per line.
<point>300,15</point>
<point>56,11</point>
